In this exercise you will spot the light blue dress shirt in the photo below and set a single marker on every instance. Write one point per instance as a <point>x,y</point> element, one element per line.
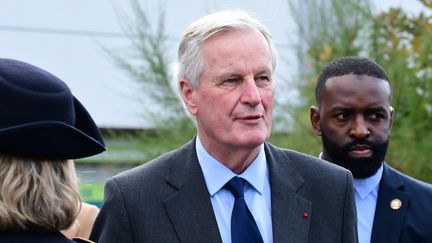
<point>257,192</point>
<point>366,196</point>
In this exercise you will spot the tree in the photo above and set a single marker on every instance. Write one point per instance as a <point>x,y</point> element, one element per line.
<point>327,29</point>
<point>401,44</point>
<point>146,62</point>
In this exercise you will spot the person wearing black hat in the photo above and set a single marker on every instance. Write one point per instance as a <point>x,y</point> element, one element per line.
<point>42,128</point>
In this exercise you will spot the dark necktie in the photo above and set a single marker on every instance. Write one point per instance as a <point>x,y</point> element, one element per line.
<point>243,226</point>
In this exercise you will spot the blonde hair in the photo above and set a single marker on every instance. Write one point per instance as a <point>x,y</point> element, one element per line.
<point>39,195</point>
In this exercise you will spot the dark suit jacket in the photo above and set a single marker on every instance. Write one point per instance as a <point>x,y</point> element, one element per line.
<point>32,237</point>
<point>413,221</point>
<point>166,200</point>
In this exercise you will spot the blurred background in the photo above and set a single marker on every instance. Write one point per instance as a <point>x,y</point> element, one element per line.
<point>118,58</point>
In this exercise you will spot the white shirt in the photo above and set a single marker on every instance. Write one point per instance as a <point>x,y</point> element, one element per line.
<point>257,192</point>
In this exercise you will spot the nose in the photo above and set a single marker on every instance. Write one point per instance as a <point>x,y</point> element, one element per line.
<point>250,93</point>
<point>359,128</point>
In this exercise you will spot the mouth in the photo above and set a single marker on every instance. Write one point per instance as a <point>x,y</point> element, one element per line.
<point>250,118</point>
<point>360,151</point>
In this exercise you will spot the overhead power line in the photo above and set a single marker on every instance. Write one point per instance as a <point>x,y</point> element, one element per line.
<point>88,33</point>
<point>62,31</point>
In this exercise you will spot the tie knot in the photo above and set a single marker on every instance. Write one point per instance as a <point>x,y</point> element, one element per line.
<point>236,186</point>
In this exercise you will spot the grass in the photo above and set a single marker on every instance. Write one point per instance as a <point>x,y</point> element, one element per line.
<point>92,193</point>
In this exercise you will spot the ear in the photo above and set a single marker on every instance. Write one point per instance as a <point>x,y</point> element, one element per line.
<point>315,120</point>
<point>188,94</point>
<point>391,116</point>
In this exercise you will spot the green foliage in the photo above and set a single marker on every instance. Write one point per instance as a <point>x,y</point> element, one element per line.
<point>331,28</point>
<point>146,63</point>
<point>401,44</point>
<point>328,29</point>
<point>168,138</point>
<point>139,147</point>
<point>91,192</point>
<point>300,140</point>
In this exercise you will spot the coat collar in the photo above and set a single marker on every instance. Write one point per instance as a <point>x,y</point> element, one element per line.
<point>195,222</point>
<point>189,207</point>
<point>388,222</point>
<point>287,204</point>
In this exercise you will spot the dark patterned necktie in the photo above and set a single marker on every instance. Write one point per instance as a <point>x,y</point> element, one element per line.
<point>243,226</point>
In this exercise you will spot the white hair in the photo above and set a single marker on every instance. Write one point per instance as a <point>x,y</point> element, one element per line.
<point>190,62</point>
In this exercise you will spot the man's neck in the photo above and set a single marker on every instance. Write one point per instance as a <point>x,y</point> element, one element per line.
<point>237,159</point>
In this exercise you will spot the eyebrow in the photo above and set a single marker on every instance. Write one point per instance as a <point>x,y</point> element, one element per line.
<point>376,109</point>
<point>229,76</point>
<point>340,108</point>
<point>349,109</point>
<point>266,72</point>
<point>239,74</point>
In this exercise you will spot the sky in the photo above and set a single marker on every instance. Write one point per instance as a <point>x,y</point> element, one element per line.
<point>68,38</point>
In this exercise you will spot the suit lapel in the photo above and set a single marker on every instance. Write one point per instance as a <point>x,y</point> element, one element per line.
<point>288,207</point>
<point>189,208</point>
<point>388,222</point>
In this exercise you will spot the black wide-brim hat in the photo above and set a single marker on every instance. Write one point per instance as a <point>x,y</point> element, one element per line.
<point>40,118</point>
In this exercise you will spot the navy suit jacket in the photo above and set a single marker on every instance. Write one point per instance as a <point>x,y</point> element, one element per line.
<point>166,200</point>
<point>412,222</point>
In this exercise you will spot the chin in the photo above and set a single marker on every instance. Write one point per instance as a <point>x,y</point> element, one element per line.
<point>251,141</point>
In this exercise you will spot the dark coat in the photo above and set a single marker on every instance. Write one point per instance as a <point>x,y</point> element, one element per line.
<point>32,237</point>
<point>412,222</point>
<point>166,200</point>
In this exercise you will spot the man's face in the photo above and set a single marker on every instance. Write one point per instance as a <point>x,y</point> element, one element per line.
<point>354,119</point>
<point>233,102</point>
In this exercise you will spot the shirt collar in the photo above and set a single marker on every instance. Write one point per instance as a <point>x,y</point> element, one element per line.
<point>365,186</point>
<point>216,174</point>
